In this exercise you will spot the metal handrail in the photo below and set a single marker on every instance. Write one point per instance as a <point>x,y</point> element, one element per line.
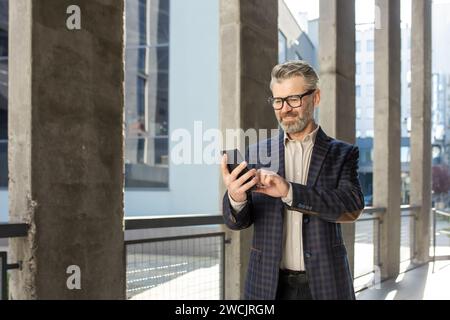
<point>404,207</point>
<point>407,207</point>
<point>371,210</point>
<point>12,230</point>
<point>442,213</point>
<point>9,230</point>
<point>150,222</point>
<point>174,238</point>
<point>368,219</point>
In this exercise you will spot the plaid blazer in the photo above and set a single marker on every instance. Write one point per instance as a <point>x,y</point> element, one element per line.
<point>331,196</point>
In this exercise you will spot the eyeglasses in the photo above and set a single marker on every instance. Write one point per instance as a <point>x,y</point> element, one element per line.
<point>294,101</point>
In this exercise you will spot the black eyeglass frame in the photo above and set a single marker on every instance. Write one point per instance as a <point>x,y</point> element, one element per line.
<point>271,100</point>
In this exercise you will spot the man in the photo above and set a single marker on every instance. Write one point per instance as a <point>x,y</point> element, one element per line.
<point>298,251</point>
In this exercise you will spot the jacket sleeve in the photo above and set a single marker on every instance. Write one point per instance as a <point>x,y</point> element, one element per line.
<point>340,205</point>
<point>237,220</point>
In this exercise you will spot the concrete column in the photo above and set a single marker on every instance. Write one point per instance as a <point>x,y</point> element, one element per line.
<point>248,51</point>
<point>386,153</point>
<point>337,81</point>
<point>421,123</point>
<point>66,149</point>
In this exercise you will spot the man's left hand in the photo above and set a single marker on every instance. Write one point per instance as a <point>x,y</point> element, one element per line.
<point>271,184</point>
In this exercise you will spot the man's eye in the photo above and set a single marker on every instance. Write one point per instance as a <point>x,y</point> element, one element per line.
<point>293,100</point>
<point>277,101</point>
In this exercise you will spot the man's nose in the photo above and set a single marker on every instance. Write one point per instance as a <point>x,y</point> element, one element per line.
<point>286,107</point>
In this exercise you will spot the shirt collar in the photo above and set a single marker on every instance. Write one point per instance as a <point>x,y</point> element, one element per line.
<point>309,137</point>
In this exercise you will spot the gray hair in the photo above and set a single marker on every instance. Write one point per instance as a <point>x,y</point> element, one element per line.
<point>295,68</point>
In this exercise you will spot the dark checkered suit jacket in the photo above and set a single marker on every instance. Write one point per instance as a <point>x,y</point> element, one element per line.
<point>332,196</point>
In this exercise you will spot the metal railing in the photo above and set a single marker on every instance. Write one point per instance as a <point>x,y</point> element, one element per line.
<point>368,232</point>
<point>190,266</point>
<point>171,267</point>
<point>12,230</point>
<point>162,264</point>
<point>367,247</point>
<point>9,230</point>
<point>408,222</point>
<point>441,235</point>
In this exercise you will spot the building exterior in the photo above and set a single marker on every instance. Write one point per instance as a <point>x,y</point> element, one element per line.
<point>293,42</point>
<point>365,98</point>
<point>161,81</point>
<point>365,108</point>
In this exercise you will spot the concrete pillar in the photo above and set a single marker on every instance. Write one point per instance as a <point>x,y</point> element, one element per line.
<point>66,149</point>
<point>248,51</point>
<point>421,123</point>
<point>387,133</point>
<point>337,81</point>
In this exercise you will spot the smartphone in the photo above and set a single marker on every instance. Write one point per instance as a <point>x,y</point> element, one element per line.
<point>234,158</point>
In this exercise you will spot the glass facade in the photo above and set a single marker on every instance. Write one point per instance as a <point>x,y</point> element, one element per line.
<point>282,47</point>
<point>146,94</point>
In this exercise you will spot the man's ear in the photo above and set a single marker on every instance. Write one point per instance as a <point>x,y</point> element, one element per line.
<point>316,97</point>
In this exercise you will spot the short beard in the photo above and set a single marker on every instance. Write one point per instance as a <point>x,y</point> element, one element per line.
<point>300,124</point>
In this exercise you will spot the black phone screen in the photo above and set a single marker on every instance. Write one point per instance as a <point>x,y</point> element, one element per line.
<point>234,158</point>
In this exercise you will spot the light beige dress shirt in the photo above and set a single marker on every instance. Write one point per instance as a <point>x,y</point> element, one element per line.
<point>297,159</point>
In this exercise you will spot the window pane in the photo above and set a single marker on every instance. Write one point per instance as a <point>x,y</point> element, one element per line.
<point>282,47</point>
<point>369,67</point>
<point>370,90</point>
<point>142,22</point>
<point>147,22</point>
<point>146,94</point>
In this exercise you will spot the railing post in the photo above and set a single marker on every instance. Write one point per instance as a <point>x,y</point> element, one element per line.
<point>3,276</point>
<point>434,237</point>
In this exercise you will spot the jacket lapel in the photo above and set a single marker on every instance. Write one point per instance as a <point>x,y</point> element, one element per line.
<point>318,155</point>
<point>320,150</point>
<point>281,170</point>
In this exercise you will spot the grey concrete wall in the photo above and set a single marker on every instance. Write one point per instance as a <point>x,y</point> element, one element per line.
<point>387,170</point>
<point>421,122</point>
<point>337,81</point>
<point>248,51</point>
<point>66,148</point>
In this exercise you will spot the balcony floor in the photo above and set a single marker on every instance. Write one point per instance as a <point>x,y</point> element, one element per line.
<point>417,284</point>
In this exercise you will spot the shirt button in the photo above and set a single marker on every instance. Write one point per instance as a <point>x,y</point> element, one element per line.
<point>307,255</point>
<point>306,220</point>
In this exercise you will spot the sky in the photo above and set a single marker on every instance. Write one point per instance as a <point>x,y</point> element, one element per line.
<point>364,9</point>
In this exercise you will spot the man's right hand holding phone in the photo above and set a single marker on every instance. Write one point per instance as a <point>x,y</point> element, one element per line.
<point>238,187</point>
